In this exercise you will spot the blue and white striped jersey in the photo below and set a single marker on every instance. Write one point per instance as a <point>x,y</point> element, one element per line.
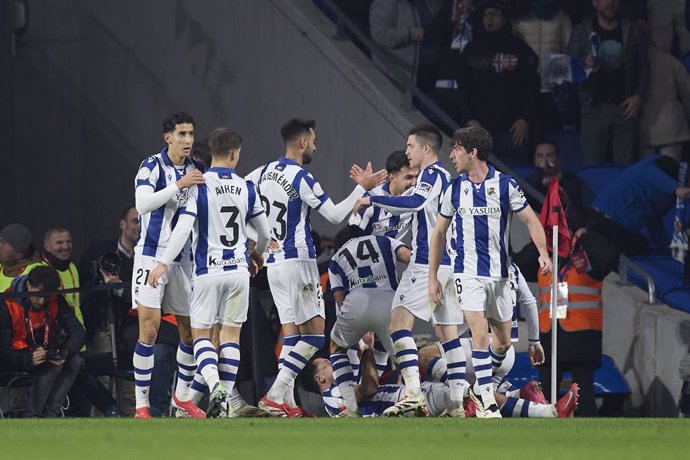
<point>288,193</point>
<point>365,262</point>
<point>385,397</point>
<point>158,172</point>
<point>378,221</point>
<point>424,201</point>
<point>482,214</point>
<point>223,206</point>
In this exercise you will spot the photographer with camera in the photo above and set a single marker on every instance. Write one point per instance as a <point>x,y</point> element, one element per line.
<point>42,336</point>
<point>110,262</point>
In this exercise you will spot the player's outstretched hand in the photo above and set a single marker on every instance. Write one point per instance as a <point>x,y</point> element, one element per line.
<point>363,202</point>
<point>368,340</point>
<point>545,265</point>
<point>194,177</point>
<point>367,178</point>
<point>536,354</point>
<point>435,290</point>
<point>156,274</point>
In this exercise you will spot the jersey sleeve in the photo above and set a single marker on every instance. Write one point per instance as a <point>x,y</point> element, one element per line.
<point>396,244</point>
<point>190,206</point>
<point>311,193</point>
<point>336,275</point>
<point>254,207</point>
<point>148,173</point>
<point>528,307</point>
<point>518,202</point>
<point>429,186</point>
<point>254,176</point>
<point>447,210</point>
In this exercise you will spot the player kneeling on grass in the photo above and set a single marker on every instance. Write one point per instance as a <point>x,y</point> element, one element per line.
<point>373,399</point>
<point>363,280</point>
<point>218,212</point>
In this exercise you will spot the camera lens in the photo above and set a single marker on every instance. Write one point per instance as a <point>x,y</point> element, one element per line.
<point>110,263</point>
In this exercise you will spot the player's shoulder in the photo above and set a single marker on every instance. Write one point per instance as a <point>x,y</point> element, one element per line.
<point>151,161</point>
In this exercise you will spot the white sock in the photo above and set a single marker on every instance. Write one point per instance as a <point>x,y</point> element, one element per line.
<point>293,364</point>
<point>408,361</point>
<point>228,363</point>
<point>207,361</point>
<point>342,372</point>
<point>186,369</point>
<point>143,368</point>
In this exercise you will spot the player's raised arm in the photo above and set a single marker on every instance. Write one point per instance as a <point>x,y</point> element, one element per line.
<point>366,180</point>
<point>147,199</point>
<point>369,377</point>
<point>428,188</point>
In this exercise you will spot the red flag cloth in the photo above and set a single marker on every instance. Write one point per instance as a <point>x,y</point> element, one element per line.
<point>549,218</point>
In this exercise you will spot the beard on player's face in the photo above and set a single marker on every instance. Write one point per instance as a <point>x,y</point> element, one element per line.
<point>307,156</point>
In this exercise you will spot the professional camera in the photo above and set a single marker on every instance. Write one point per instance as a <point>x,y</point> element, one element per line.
<point>110,263</point>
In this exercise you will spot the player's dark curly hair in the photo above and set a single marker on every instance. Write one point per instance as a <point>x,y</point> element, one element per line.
<point>347,233</point>
<point>397,161</point>
<point>474,137</point>
<point>296,127</point>
<point>176,118</point>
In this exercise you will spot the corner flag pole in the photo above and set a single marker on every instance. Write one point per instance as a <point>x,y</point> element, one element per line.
<point>554,310</point>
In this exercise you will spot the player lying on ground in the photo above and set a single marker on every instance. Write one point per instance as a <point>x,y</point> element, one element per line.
<point>373,399</point>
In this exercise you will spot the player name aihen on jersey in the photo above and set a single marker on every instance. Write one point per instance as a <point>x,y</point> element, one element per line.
<point>365,262</point>
<point>481,214</point>
<point>289,193</point>
<point>423,202</point>
<point>159,173</point>
<point>222,208</point>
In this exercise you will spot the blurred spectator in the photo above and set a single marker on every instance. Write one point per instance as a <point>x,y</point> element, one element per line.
<point>499,83</point>
<point>546,29</point>
<point>667,18</point>
<point>610,98</point>
<point>400,27</point>
<point>17,254</point>
<point>666,107</point>
<point>643,193</point>
<point>41,335</point>
<point>458,35</point>
<point>575,196</point>
<point>57,253</point>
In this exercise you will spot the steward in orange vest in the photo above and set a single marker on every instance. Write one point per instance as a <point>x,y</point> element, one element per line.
<point>579,326</point>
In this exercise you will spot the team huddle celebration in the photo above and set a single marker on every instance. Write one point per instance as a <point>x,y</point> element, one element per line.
<point>204,232</point>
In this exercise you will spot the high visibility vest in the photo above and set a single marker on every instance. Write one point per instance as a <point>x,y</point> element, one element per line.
<point>584,302</point>
<point>19,331</point>
<point>70,279</point>
<point>6,281</point>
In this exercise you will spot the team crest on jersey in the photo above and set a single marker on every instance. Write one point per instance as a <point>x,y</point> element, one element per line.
<point>492,191</point>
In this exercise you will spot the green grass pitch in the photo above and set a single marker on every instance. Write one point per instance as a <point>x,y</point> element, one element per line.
<point>406,438</point>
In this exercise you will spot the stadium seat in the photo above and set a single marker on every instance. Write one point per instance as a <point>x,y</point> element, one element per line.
<point>597,177</point>
<point>666,272</point>
<point>608,380</point>
<point>678,298</point>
